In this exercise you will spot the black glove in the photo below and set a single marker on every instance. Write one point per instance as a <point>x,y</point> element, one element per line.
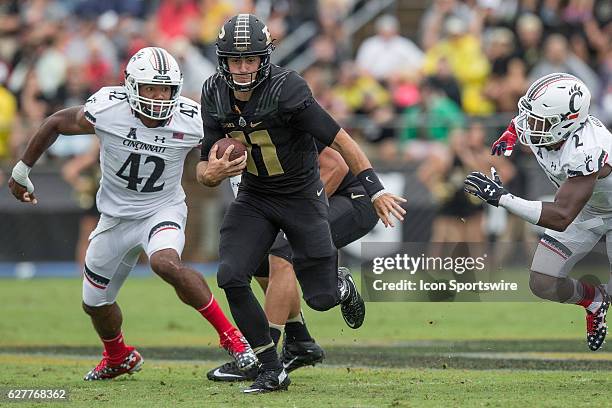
<point>489,190</point>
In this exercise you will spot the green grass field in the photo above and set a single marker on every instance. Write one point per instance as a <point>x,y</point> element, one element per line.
<point>406,354</point>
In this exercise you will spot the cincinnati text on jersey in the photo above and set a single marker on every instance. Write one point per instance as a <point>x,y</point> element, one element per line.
<point>138,145</point>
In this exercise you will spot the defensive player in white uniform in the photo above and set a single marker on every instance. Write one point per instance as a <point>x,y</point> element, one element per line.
<point>146,128</point>
<point>573,148</point>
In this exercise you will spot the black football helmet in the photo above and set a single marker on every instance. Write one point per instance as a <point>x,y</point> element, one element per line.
<point>244,35</point>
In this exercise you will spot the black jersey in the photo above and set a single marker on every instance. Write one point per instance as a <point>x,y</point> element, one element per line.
<point>278,125</point>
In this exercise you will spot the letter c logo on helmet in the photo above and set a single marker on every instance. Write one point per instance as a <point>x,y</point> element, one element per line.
<point>554,107</point>
<point>575,92</point>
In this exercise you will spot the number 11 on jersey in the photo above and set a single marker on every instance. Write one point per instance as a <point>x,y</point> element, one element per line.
<point>261,139</point>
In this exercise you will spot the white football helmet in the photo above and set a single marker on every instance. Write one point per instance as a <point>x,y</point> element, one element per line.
<point>153,65</point>
<point>554,107</point>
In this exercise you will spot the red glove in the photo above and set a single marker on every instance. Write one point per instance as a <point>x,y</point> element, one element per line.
<point>505,144</point>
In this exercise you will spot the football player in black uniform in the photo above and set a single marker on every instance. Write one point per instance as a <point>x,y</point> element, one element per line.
<point>272,111</point>
<point>351,216</point>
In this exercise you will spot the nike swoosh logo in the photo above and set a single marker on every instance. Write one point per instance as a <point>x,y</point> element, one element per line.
<point>319,192</point>
<point>219,373</point>
<point>255,124</point>
<point>368,179</point>
<point>354,196</point>
<point>286,365</point>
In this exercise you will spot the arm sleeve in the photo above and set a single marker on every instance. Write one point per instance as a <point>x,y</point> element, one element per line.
<point>302,112</point>
<point>316,121</point>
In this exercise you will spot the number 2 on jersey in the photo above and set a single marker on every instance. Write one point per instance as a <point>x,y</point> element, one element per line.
<point>262,140</point>
<point>133,161</point>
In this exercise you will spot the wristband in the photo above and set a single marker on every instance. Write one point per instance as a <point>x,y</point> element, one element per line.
<point>530,211</point>
<point>21,173</point>
<point>370,182</point>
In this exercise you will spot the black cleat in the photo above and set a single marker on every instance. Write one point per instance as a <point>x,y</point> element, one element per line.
<point>351,304</point>
<point>268,381</point>
<point>597,328</point>
<point>229,372</point>
<point>298,354</point>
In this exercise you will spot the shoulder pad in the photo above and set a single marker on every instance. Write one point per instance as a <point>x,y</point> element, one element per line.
<point>295,94</point>
<point>103,100</point>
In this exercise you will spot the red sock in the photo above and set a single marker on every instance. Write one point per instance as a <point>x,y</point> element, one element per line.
<point>589,294</point>
<point>213,313</point>
<point>116,350</point>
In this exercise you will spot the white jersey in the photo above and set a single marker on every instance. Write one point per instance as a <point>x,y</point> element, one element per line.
<point>141,167</point>
<point>584,153</point>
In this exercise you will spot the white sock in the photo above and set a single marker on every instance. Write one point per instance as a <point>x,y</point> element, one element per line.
<point>597,301</point>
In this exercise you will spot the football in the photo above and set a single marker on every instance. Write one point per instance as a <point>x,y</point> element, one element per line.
<point>224,143</point>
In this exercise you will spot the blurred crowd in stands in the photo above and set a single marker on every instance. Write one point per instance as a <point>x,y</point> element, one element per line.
<point>467,59</point>
<point>432,96</point>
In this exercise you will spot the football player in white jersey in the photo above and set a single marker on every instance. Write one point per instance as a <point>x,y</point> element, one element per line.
<point>146,128</point>
<point>573,149</point>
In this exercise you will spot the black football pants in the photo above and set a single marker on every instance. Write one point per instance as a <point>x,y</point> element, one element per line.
<point>248,230</point>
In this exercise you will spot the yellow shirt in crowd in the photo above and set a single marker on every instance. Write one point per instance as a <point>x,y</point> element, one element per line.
<point>8,111</point>
<point>469,65</point>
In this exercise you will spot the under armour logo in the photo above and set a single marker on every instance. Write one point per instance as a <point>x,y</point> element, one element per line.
<point>489,190</point>
<point>160,139</point>
<point>132,134</point>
